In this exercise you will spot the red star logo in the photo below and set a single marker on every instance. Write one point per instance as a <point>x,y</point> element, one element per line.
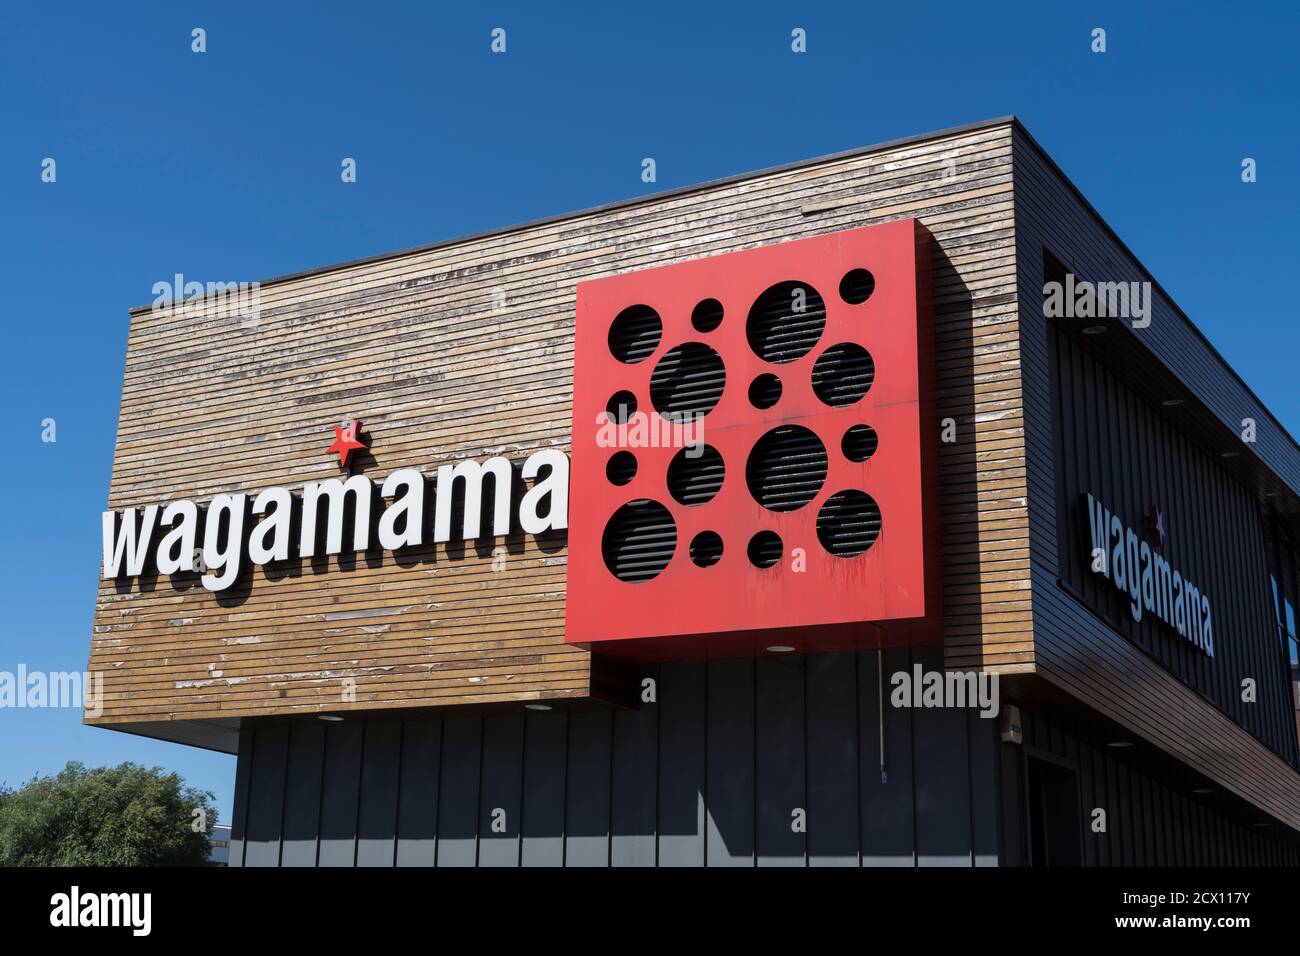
<point>1156,525</point>
<point>346,441</point>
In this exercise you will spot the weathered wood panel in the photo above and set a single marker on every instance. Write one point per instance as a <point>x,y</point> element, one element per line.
<point>464,350</point>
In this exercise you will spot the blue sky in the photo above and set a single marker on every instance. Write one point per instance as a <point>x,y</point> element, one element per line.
<point>225,165</point>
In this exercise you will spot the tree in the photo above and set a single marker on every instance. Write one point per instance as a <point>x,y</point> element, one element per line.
<point>108,816</point>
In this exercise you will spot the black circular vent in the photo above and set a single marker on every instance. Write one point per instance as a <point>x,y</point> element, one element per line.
<point>765,390</point>
<point>688,380</point>
<point>786,468</point>
<point>856,286</point>
<point>848,523</point>
<point>785,322</point>
<point>707,316</point>
<point>764,549</point>
<point>695,474</point>
<point>639,540</point>
<point>842,374</point>
<point>706,549</point>
<point>621,407</point>
<point>859,443</point>
<point>635,333</point>
<point>621,467</point>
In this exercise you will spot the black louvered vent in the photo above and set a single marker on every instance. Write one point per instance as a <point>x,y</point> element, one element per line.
<point>639,540</point>
<point>706,549</point>
<point>635,334</point>
<point>786,468</point>
<point>785,322</point>
<point>859,443</point>
<point>707,315</point>
<point>765,549</point>
<point>765,390</point>
<point>621,407</point>
<point>621,467</point>
<point>856,286</point>
<point>696,480</point>
<point>688,380</point>
<point>843,374</point>
<point>848,523</point>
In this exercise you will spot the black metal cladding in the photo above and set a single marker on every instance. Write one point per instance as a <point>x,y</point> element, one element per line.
<point>706,775</point>
<point>1116,446</point>
<point>786,468</point>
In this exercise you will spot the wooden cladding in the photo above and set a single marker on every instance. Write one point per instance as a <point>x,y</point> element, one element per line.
<point>465,351</point>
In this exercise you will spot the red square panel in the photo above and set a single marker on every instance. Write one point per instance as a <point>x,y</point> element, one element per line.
<point>769,484</point>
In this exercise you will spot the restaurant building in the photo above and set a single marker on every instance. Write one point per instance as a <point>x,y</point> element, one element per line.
<point>878,509</point>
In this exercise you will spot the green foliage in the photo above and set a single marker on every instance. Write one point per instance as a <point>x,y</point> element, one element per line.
<point>109,816</point>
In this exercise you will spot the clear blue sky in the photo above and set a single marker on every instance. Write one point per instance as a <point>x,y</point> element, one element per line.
<point>225,165</point>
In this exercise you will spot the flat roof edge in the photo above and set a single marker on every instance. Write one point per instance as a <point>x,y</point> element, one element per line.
<point>1009,120</point>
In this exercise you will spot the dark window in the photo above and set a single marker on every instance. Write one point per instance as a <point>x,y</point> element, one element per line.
<point>1055,821</point>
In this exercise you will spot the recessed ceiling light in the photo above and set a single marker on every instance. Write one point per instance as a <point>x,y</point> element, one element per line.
<point>1229,454</point>
<point>329,717</point>
<point>780,649</point>
<point>537,706</point>
<point>1172,402</point>
<point>1093,329</point>
<point>1120,743</point>
<point>1203,790</point>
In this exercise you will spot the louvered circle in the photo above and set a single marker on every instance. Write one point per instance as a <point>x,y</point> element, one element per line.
<point>695,474</point>
<point>785,322</point>
<point>765,549</point>
<point>848,523</point>
<point>856,286</point>
<point>859,443</point>
<point>706,549</point>
<point>707,315</point>
<point>786,468</point>
<point>687,381</point>
<point>621,407</point>
<point>843,374</point>
<point>639,540</point>
<point>764,390</point>
<point>621,467</point>
<point>635,333</point>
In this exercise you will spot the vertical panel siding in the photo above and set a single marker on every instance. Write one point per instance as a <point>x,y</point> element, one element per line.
<point>302,794</point>
<point>1073,649</point>
<point>1152,818</point>
<point>417,799</point>
<point>714,772</point>
<point>1216,538</point>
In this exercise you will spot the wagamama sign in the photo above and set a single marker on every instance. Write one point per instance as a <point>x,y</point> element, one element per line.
<point>1145,576</point>
<point>219,555</point>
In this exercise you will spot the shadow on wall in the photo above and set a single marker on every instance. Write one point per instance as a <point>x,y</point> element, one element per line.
<point>458,549</point>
